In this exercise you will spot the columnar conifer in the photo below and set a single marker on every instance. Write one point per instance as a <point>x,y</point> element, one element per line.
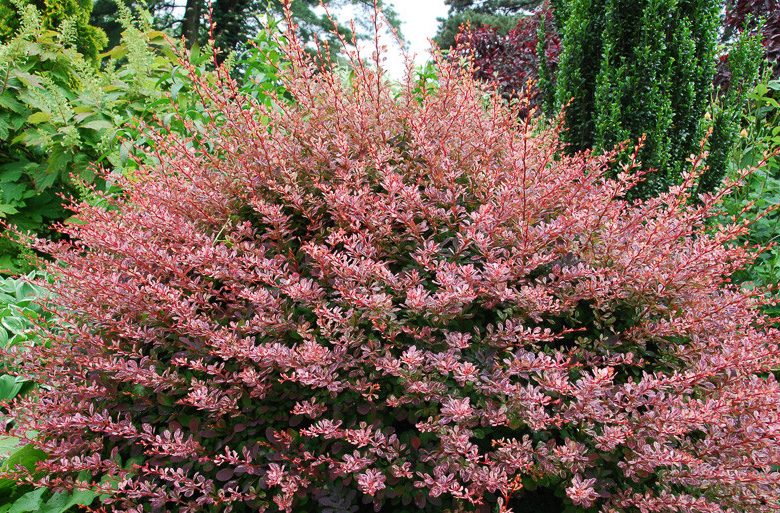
<point>634,67</point>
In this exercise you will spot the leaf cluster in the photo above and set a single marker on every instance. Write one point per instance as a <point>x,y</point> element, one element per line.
<point>63,119</point>
<point>760,194</point>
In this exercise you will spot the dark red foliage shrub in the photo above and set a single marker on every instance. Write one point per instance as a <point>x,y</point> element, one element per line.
<point>510,61</point>
<point>400,297</point>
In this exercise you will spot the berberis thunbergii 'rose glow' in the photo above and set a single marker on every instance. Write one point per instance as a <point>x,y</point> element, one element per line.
<point>398,296</point>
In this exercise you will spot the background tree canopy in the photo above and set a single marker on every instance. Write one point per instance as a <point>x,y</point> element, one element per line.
<point>237,21</point>
<point>499,14</point>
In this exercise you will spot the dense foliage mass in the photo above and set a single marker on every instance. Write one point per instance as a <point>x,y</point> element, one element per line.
<point>61,116</point>
<point>72,15</point>
<point>630,68</point>
<point>760,196</point>
<point>400,296</point>
<point>738,75</point>
<point>627,105</point>
<point>521,62</point>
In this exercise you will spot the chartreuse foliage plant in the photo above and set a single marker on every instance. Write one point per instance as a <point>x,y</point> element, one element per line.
<point>61,116</point>
<point>19,313</point>
<point>399,299</point>
<point>69,16</point>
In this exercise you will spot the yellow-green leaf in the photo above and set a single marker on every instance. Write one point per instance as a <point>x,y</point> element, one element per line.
<point>38,117</point>
<point>98,124</point>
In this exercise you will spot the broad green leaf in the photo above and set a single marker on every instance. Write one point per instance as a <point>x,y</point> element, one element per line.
<point>98,124</point>
<point>4,126</point>
<point>124,151</point>
<point>6,209</point>
<point>58,162</point>
<point>14,324</point>
<point>116,52</point>
<point>26,456</point>
<point>27,81</point>
<point>7,445</point>
<point>9,102</point>
<point>24,290</point>
<point>8,286</point>
<point>30,501</point>
<point>81,116</point>
<point>13,170</point>
<point>9,387</point>
<point>61,502</point>
<point>153,35</point>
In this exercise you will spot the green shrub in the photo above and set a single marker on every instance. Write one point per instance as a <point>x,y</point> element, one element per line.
<point>638,67</point>
<point>742,69</point>
<point>761,191</point>
<point>71,17</point>
<point>62,117</point>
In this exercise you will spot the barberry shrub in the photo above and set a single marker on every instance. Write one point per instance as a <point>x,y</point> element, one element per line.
<point>401,299</point>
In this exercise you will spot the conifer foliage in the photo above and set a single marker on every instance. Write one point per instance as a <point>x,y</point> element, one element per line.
<point>638,67</point>
<point>405,297</point>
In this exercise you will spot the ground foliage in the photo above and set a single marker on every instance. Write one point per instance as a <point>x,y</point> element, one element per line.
<point>400,296</point>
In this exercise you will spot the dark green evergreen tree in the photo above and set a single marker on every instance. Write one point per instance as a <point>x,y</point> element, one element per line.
<point>546,83</point>
<point>634,67</point>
